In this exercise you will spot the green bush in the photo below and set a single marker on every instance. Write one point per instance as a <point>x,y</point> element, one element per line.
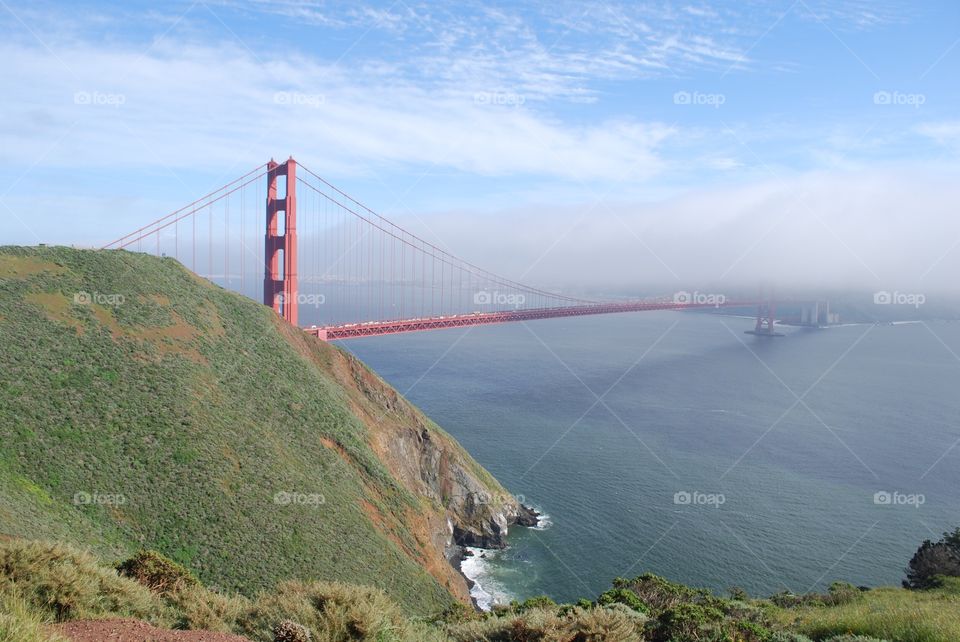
<point>837,594</point>
<point>737,593</point>
<point>623,596</point>
<point>659,594</point>
<point>536,602</point>
<point>685,622</point>
<point>158,573</point>
<point>933,561</point>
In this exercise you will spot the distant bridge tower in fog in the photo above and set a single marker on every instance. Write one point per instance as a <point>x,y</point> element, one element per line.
<point>817,314</point>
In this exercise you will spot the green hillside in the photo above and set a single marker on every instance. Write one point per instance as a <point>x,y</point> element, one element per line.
<point>141,406</point>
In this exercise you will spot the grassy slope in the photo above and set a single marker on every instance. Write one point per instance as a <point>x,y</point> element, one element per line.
<point>887,613</point>
<point>197,406</point>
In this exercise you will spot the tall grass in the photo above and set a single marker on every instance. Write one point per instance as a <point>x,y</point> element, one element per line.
<point>886,613</point>
<point>62,583</point>
<point>21,623</point>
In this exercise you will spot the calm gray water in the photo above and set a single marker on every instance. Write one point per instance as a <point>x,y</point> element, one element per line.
<point>689,404</point>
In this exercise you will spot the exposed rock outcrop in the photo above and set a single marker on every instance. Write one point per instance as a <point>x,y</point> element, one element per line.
<point>431,464</point>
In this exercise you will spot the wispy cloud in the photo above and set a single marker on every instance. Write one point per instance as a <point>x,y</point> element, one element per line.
<point>946,133</point>
<point>184,104</point>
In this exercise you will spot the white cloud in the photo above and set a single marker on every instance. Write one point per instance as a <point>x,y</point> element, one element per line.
<point>945,133</point>
<point>184,105</point>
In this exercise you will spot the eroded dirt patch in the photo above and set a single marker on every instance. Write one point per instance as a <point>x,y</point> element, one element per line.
<point>57,308</point>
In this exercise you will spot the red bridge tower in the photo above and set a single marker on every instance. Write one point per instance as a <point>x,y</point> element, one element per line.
<point>280,244</point>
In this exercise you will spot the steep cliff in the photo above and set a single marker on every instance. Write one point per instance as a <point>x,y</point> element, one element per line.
<point>432,464</point>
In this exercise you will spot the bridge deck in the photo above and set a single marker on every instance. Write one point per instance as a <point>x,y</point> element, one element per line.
<point>376,328</point>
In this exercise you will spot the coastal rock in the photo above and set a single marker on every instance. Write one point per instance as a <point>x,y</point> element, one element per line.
<point>477,510</point>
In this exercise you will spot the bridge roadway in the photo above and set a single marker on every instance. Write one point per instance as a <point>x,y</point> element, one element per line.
<point>376,328</point>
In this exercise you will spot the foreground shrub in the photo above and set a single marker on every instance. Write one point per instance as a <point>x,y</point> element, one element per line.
<point>330,611</point>
<point>158,573</point>
<point>615,624</point>
<point>686,622</point>
<point>619,623</point>
<point>20,623</point>
<point>838,594</point>
<point>537,602</point>
<point>63,583</point>
<point>623,596</point>
<point>535,624</point>
<point>200,608</point>
<point>659,594</point>
<point>933,561</point>
<point>456,613</point>
<point>739,594</point>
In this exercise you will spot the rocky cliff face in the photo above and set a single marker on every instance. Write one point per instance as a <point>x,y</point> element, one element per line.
<point>478,510</point>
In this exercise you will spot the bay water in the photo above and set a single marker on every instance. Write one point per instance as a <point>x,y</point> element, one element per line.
<point>676,444</point>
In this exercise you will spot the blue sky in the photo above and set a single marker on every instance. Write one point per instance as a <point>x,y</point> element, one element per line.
<point>446,115</point>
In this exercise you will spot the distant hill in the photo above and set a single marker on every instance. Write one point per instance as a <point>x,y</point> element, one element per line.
<point>142,406</point>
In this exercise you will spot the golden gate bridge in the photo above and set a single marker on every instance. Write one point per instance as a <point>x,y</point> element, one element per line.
<point>354,272</point>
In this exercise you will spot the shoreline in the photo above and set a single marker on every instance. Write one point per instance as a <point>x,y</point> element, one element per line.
<point>482,600</point>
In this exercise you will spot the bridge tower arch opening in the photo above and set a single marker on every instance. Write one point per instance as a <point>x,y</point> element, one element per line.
<point>280,241</point>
